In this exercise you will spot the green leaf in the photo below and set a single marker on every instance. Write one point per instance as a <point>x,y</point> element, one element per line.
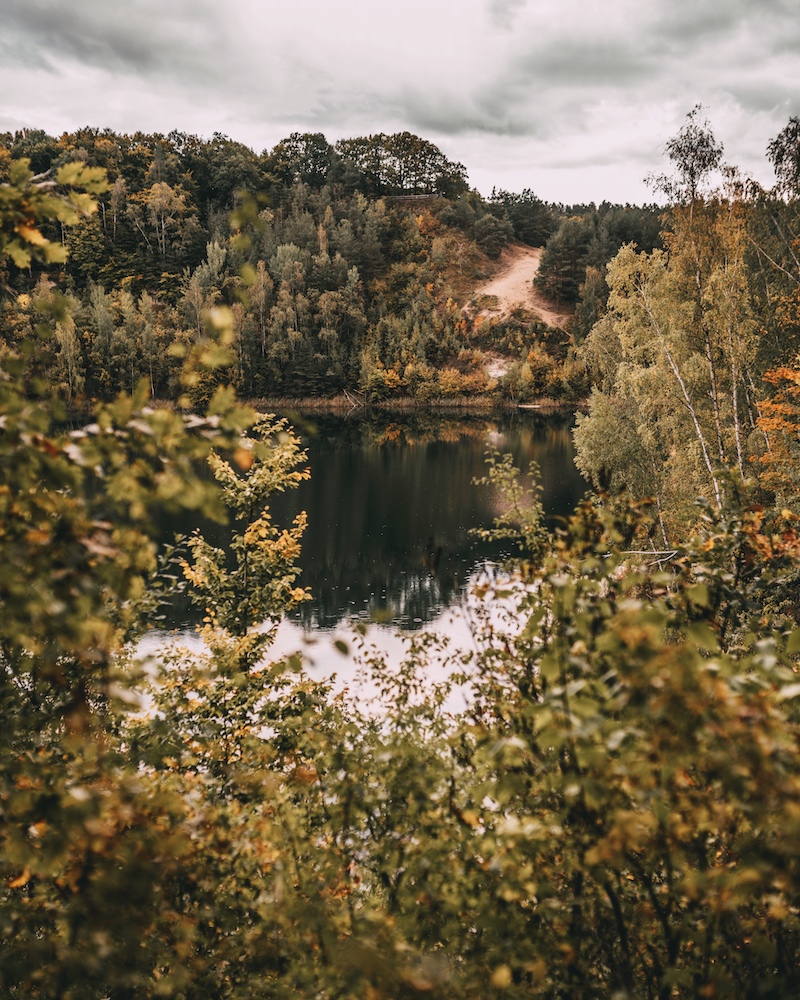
<point>19,172</point>
<point>698,594</point>
<point>77,174</point>
<point>703,636</point>
<point>18,254</point>
<point>793,642</point>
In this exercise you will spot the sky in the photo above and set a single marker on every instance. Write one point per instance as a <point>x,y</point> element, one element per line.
<point>574,99</point>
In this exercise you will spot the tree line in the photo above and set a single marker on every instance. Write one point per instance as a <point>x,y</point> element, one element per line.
<point>336,282</point>
<point>684,333</point>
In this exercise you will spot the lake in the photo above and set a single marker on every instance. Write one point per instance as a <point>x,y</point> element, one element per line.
<point>391,502</point>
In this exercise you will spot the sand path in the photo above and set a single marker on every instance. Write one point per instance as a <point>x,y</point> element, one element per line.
<point>513,286</point>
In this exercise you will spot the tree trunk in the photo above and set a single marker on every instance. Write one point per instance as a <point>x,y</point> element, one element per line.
<point>684,392</point>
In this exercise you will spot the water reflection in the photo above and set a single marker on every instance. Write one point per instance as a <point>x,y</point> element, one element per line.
<point>391,500</point>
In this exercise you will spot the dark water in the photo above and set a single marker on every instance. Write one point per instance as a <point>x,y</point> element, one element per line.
<point>391,502</point>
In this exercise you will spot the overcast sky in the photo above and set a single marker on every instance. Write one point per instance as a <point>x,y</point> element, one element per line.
<point>572,98</point>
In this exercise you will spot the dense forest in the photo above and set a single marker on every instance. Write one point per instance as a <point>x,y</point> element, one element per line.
<point>347,268</point>
<point>615,811</point>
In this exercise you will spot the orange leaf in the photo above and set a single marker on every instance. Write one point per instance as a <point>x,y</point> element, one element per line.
<point>244,458</point>
<point>23,879</point>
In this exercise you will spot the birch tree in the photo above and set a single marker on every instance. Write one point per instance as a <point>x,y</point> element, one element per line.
<point>651,356</point>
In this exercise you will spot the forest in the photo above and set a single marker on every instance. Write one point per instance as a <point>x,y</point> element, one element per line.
<point>614,812</point>
<point>347,268</point>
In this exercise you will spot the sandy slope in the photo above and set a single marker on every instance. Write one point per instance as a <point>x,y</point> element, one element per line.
<point>513,286</point>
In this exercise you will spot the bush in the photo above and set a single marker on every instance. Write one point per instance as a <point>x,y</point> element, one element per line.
<point>492,234</point>
<point>420,380</point>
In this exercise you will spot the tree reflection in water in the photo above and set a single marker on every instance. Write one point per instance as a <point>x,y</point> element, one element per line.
<point>391,502</point>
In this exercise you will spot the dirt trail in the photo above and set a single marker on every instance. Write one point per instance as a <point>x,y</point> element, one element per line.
<point>513,286</point>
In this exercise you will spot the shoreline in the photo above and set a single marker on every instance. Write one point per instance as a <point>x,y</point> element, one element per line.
<point>406,404</point>
<point>345,405</point>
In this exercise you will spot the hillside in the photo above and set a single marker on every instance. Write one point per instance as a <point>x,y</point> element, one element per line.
<point>334,279</point>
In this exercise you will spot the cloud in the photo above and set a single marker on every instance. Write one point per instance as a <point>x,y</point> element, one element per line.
<point>696,23</point>
<point>561,88</point>
<point>576,66</point>
<point>502,13</point>
<point>135,37</point>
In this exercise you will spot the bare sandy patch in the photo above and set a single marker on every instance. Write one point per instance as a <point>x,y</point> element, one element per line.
<point>512,286</point>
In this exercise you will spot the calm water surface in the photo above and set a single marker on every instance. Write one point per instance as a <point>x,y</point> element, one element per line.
<point>390,505</point>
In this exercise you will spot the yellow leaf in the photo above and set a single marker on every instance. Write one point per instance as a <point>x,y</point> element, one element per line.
<point>501,977</point>
<point>305,775</point>
<point>537,969</point>
<point>31,235</point>
<point>37,536</point>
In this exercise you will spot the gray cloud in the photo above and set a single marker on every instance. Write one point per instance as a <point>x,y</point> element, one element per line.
<point>737,27</point>
<point>137,37</point>
<point>579,65</point>
<point>22,52</point>
<point>698,22</point>
<point>759,96</point>
<point>503,12</point>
